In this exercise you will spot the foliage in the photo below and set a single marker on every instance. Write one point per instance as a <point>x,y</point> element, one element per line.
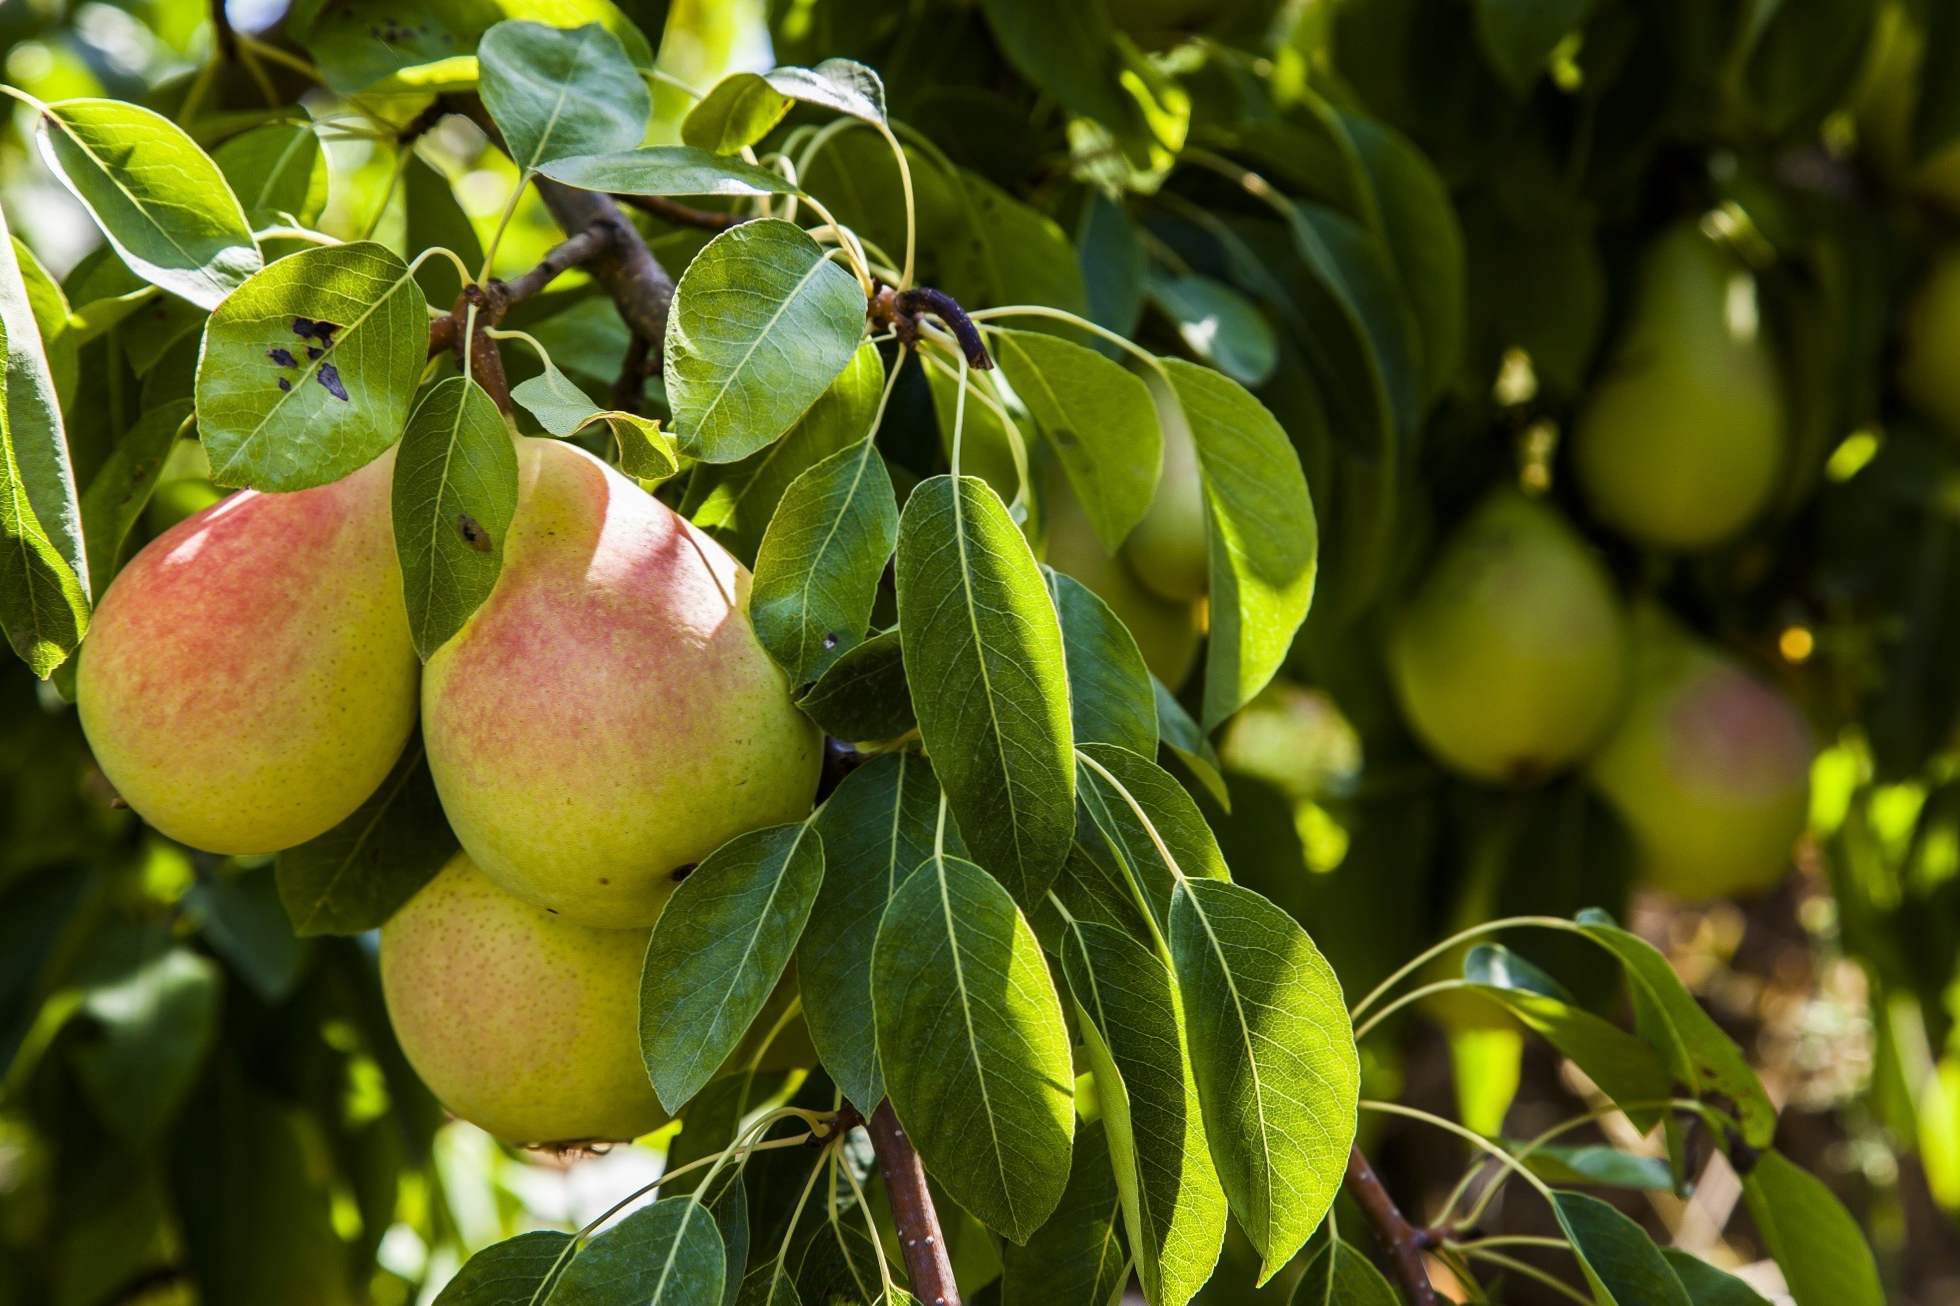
<point>1269,298</point>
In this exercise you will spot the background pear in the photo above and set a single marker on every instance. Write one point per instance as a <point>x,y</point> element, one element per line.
<point>1929,362</point>
<point>1170,549</point>
<point>1683,438</point>
<point>520,1022</point>
<point>248,678</point>
<point>1509,659</point>
<point>607,717</point>
<point>1709,767</point>
<point>1167,631</point>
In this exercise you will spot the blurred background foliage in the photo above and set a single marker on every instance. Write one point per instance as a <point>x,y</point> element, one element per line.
<point>199,1106</point>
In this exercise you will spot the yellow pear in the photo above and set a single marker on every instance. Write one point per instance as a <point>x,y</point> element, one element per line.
<point>1508,660</point>
<point>607,718</point>
<point>1709,767</point>
<point>248,678</point>
<point>522,1023</point>
<point>1681,442</point>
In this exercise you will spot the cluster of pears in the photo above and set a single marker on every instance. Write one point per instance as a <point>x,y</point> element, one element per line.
<point>1514,658</point>
<point>602,722</point>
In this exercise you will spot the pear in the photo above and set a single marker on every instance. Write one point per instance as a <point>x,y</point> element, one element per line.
<point>607,718</point>
<point>1167,631</point>
<point>1508,661</point>
<point>248,678</point>
<point>1709,767</point>
<point>1681,441</point>
<point>521,1022</point>
<point>1170,549</point>
<point>1929,363</point>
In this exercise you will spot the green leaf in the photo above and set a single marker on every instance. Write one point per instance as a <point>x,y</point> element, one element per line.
<point>1148,822</point>
<point>1708,1286</point>
<point>761,324</point>
<point>31,408</point>
<point>1111,700</point>
<point>353,878</point>
<point>1595,1163</point>
<point>1341,1275</point>
<point>160,200</point>
<point>718,951</point>
<point>275,417</point>
<point>645,449</point>
<point>48,304</point>
<point>1078,1255</point>
<point>667,1254</point>
<point>559,405</point>
<point>556,93</point>
<point>1274,1056</point>
<point>730,1207</point>
<point>42,606</point>
<point>515,1272</point>
<point>1132,1021</point>
<point>863,698</point>
<point>740,110</point>
<point>1518,35</point>
<point>455,492</point>
<point>278,172</point>
<point>1697,1052</point>
<point>816,575</point>
<point>983,655</point>
<point>1071,52</point>
<point>238,912</point>
<point>877,827</point>
<point>1190,745</point>
<point>123,484</point>
<point>737,500</point>
<point>667,170</point>
<point>1817,1244</point>
<point>1099,418</point>
<point>1618,1258</point>
<point>973,1045</point>
<point>153,1007</point>
<point>844,85</point>
<point>1264,543</point>
<point>366,45</point>
<point>1219,325</point>
<point>1008,253</point>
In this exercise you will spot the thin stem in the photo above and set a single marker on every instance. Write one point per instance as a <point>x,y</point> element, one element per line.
<point>1129,874</point>
<point>402,156</point>
<point>1398,1237</point>
<point>1017,444</point>
<point>796,1215</point>
<point>497,236</point>
<point>295,233</point>
<point>1508,1240</point>
<point>1462,936</point>
<point>1081,323</point>
<point>959,418</point>
<point>1532,1272</point>
<point>1470,1136</point>
<point>1407,999</point>
<point>871,1227</point>
<point>911,208</point>
<point>686,88</point>
<point>455,261</point>
<point>847,242</point>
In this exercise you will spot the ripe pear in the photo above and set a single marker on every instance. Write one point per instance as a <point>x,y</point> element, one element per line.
<point>1509,659</point>
<point>607,718</point>
<point>1170,549</point>
<point>248,678</point>
<point>1682,440</point>
<point>1167,632</point>
<point>522,1023</point>
<point>1709,767</point>
<point>1929,363</point>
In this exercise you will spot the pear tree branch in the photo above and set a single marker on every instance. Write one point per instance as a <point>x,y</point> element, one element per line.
<point>1401,1240</point>
<point>927,1262</point>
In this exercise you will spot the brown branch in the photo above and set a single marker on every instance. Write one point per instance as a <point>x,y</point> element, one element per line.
<point>630,389</point>
<point>919,1234</point>
<point>1402,1240</point>
<point>563,257</point>
<point>682,215</point>
<point>224,35</point>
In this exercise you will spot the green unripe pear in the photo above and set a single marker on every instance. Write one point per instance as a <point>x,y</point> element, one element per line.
<point>521,1022</point>
<point>1170,549</point>
<point>1509,659</point>
<point>1682,440</point>
<point>1709,767</point>
<point>607,717</point>
<point>1929,364</point>
<point>1167,633</point>
<point>248,678</point>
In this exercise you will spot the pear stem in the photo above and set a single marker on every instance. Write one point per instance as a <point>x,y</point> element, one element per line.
<point>927,1262</point>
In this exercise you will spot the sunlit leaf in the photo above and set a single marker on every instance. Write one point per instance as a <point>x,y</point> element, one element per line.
<point>1078,1256</point>
<point>556,93</point>
<point>667,170</point>
<point>515,1272</point>
<point>1619,1260</point>
<point>667,1254</point>
<point>1817,1243</point>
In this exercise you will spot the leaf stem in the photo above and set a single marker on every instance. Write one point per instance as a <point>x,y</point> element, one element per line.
<point>1407,999</point>
<point>1462,936</point>
<point>1532,1272</point>
<point>1081,323</point>
<point>1469,1135</point>
<point>497,236</point>
<point>911,207</point>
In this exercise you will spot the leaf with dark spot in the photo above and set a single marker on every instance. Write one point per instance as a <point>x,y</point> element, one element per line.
<point>313,351</point>
<point>472,532</point>
<point>283,357</point>
<point>284,384</point>
<point>329,376</point>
